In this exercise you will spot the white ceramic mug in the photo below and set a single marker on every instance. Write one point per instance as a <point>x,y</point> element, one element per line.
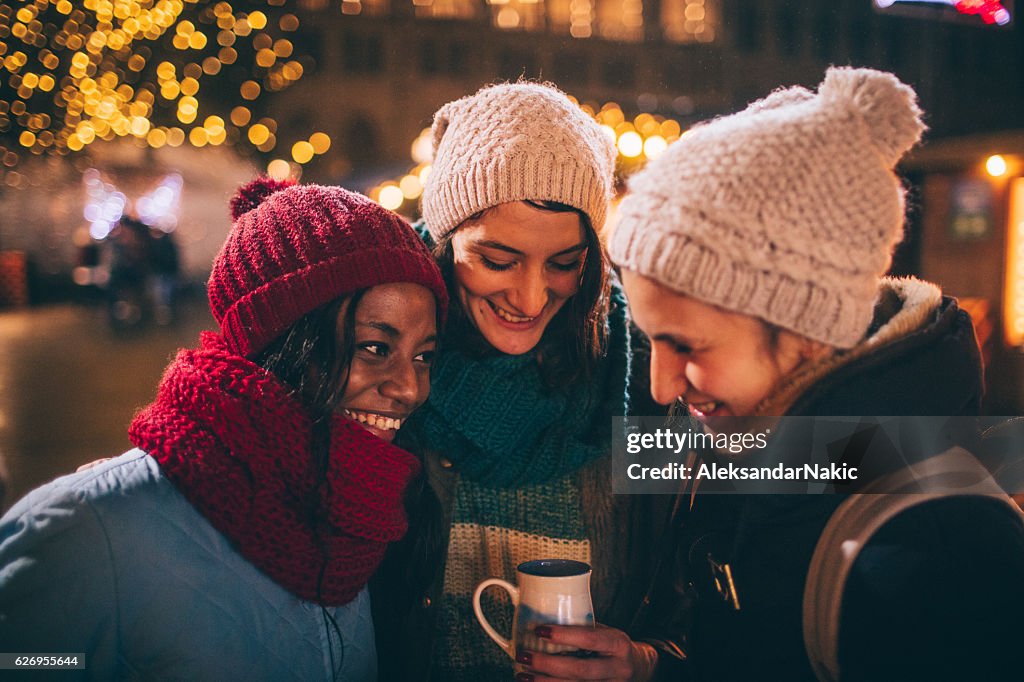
<point>555,591</point>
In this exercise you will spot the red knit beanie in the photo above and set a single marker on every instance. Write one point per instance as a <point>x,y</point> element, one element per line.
<point>294,248</point>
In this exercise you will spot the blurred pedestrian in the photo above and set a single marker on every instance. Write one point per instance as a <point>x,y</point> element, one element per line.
<point>164,267</point>
<point>129,244</point>
<point>236,540</point>
<point>753,253</point>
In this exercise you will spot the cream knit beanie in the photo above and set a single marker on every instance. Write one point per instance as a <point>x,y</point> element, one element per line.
<point>513,142</point>
<point>788,211</point>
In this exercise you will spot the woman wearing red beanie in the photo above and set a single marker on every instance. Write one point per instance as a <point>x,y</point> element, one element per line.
<point>236,540</point>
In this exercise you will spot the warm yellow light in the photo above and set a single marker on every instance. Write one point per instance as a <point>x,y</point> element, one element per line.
<point>258,134</point>
<point>279,169</point>
<point>139,126</point>
<point>630,144</point>
<point>289,22</point>
<point>156,138</point>
<point>391,197</point>
<point>411,187</point>
<point>170,90</point>
<point>996,166</point>
<point>302,152</point>
<point>257,20</point>
<point>321,142</point>
<point>189,86</point>
<point>507,18</point>
<point>1013,287</point>
<point>283,48</point>
<point>240,116</point>
<point>250,90</point>
<point>165,71</point>
<point>611,115</point>
<point>423,147</point>
<point>198,137</point>
<point>175,137</point>
<point>211,66</point>
<point>27,139</point>
<point>265,58</point>
<point>292,70</point>
<point>654,146</point>
<point>268,144</point>
<point>188,105</point>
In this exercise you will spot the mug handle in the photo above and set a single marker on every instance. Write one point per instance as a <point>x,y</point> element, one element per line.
<point>513,592</point>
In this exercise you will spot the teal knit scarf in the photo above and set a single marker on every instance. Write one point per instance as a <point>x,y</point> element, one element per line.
<point>502,427</point>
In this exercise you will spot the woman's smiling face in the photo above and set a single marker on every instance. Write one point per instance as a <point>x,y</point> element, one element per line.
<point>389,375</point>
<point>722,363</point>
<point>515,266</point>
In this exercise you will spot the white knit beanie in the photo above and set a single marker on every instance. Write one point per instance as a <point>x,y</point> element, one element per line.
<point>514,142</point>
<point>788,211</point>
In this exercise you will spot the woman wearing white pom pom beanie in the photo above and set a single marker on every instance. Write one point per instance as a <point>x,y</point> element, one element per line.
<point>753,254</point>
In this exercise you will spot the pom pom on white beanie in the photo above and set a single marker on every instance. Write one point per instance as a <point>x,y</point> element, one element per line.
<point>512,142</point>
<point>788,211</point>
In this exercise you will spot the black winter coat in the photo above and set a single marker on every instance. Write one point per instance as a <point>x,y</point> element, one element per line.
<point>937,594</point>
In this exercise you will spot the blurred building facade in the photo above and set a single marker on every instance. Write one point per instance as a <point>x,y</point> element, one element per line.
<point>384,66</point>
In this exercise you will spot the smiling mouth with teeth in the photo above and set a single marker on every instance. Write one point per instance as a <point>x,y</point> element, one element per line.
<point>705,407</point>
<point>377,421</point>
<point>507,316</point>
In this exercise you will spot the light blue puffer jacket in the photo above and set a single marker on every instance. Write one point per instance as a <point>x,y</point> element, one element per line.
<point>114,563</point>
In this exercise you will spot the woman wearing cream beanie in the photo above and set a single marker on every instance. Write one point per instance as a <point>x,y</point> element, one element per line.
<point>538,358</point>
<point>753,255</point>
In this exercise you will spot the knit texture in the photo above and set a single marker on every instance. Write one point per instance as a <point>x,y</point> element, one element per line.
<point>513,142</point>
<point>501,426</point>
<point>236,442</point>
<point>493,531</point>
<point>788,211</point>
<point>295,248</point>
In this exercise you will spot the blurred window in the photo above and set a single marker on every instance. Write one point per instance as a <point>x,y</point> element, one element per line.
<point>447,9</point>
<point>690,21</point>
<point>519,15</point>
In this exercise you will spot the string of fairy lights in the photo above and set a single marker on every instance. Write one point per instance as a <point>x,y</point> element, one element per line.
<point>189,72</point>
<point>163,72</point>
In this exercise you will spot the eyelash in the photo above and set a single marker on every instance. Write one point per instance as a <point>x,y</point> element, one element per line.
<point>502,267</point>
<point>383,351</point>
<point>680,349</point>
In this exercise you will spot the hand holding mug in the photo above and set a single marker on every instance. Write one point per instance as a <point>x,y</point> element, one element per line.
<point>550,591</point>
<point>614,656</point>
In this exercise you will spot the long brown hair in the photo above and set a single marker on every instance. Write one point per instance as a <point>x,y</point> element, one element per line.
<point>575,338</point>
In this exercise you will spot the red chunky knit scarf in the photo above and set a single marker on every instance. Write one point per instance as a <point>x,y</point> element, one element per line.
<point>237,444</point>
